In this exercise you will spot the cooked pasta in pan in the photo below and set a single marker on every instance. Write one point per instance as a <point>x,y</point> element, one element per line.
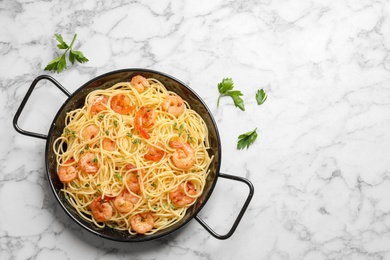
<point>134,157</point>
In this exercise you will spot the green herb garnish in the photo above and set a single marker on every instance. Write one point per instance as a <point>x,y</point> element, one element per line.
<point>245,140</point>
<point>118,175</point>
<point>261,96</point>
<point>59,63</point>
<point>225,88</point>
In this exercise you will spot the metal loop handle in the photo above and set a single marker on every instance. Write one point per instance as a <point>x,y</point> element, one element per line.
<point>25,99</point>
<point>241,213</point>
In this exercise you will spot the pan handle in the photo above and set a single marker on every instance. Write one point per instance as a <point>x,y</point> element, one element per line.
<point>25,99</point>
<point>241,213</point>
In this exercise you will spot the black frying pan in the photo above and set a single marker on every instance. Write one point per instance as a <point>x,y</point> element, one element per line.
<point>76,100</point>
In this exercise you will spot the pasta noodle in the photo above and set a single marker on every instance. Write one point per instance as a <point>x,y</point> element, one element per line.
<point>133,158</point>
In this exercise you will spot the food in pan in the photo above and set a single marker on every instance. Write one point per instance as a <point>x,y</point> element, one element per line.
<point>134,157</point>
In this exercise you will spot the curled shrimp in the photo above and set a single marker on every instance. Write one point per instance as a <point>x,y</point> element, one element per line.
<point>108,144</point>
<point>132,179</point>
<point>173,105</point>
<point>155,153</point>
<point>142,222</point>
<point>101,209</point>
<point>90,132</point>
<point>88,163</point>
<point>184,156</point>
<point>121,104</point>
<point>139,83</point>
<point>98,104</point>
<point>67,173</point>
<point>144,119</point>
<point>182,197</point>
<point>125,202</point>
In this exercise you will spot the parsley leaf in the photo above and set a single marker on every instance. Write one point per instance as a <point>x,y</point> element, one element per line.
<point>225,88</point>
<point>226,85</point>
<point>78,55</point>
<point>261,96</point>
<point>62,45</point>
<point>238,102</point>
<point>59,63</point>
<point>245,140</point>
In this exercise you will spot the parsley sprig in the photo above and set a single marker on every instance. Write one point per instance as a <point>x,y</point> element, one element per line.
<point>245,140</point>
<point>225,88</point>
<point>59,63</point>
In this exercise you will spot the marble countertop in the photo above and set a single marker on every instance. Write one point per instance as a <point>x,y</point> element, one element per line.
<point>320,165</point>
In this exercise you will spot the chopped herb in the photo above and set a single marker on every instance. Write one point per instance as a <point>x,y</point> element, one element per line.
<point>129,135</point>
<point>87,185</point>
<point>115,123</point>
<point>101,117</point>
<point>136,141</point>
<point>98,184</point>
<point>86,146</point>
<point>153,184</point>
<point>107,132</point>
<point>66,196</point>
<point>82,152</point>
<point>75,184</point>
<point>68,132</point>
<point>94,160</point>
<point>118,175</point>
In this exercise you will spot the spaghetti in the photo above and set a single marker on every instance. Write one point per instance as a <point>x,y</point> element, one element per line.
<point>133,158</point>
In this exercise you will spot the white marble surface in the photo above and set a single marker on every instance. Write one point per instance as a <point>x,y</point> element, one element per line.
<point>320,166</point>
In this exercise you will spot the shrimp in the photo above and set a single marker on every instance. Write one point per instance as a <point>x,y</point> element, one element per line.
<point>144,118</point>
<point>139,83</point>
<point>90,132</point>
<point>98,104</point>
<point>173,105</point>
<point>108,144</point>
<point>142,222</point>
<point>132,180</point>
<point>88,163</point>
<point>181,197</point>
<point>155,153</point>
<point>67,173</point>
<point>121,104</point>
<point>125,202</point>
<point>184,156</point>
<point>101,209</point>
